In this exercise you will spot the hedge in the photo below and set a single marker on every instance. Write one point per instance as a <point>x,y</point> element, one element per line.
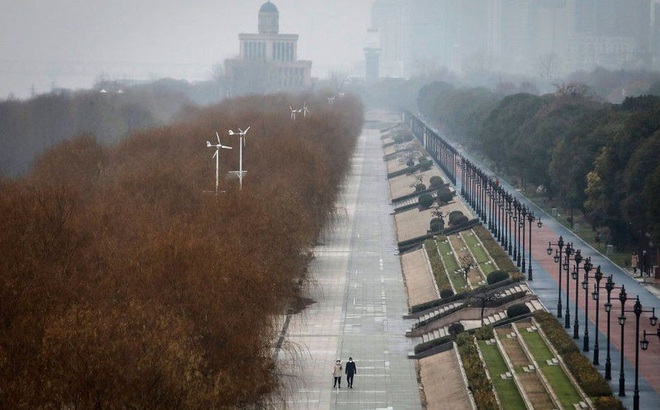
<point>580,367</point>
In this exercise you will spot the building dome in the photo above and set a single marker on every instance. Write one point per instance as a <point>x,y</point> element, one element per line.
<point>268,7</point>
<point>269,19</point>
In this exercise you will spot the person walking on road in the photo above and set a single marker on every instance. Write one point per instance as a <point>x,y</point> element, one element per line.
<point>336,374</point>
<point>351,370</point>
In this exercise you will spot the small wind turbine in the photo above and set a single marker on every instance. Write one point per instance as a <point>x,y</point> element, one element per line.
<point>293,113</point>
<point>331,101</point>
<point>241,133</point>
<point>216,155</point>
<point>305,110</point>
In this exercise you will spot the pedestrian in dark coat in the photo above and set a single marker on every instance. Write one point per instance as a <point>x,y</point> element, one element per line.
<point>351,370</point>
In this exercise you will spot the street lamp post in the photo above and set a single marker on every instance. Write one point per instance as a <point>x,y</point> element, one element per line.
<point>531,218</point>
<point>585,285</point>
<point>576,323</point>
<point>570,250</point>
<point>622,321</point>
<point>609,286</point>
<point>596,295</point>
<point>509,214</point>
<point>523,214</point>
<point>558,260</point>
<point>638,310</point>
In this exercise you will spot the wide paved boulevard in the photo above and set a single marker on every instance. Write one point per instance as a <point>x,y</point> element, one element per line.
<point>360,300</point>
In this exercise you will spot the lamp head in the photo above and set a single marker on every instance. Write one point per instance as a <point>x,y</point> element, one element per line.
<point>595,294</point>
<point>578,257</point>
<point>549,250</point>
<point>556,258</point>
<point>609,285</point>
<point>653,319</point>
<point>574,274</point>
<point>622,295</point>
<point>637,308</point>
<point>644,343</point>
<point>622,320</point>
<point>598,275</point>
<point>608,307</point>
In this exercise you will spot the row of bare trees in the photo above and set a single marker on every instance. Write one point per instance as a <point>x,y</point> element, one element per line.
<point>127,283</point>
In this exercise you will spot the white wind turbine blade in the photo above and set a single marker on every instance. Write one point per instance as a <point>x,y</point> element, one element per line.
<point>215,154</point>
<point>218,137</point>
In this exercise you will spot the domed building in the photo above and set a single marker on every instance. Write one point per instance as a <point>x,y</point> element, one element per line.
<point>268,61</point>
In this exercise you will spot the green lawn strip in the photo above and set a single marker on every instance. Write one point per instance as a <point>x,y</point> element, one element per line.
<point>482,256</point>
<point>437,266</point>
<point>451,265</point>
<point>507,391</point>
<point>556,376</point>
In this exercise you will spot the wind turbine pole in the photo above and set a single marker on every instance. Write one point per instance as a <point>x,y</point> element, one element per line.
<point>240,164</point>
<point>217,170</point>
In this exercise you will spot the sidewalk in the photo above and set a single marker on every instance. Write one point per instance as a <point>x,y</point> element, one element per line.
<point>358,287</point>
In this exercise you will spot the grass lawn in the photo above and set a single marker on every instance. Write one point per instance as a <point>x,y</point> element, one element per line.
<point>558,380</point>
<point>451,266</point>
<point>506,389</point>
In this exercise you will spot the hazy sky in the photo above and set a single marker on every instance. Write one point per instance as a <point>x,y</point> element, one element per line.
<point>59,42</point>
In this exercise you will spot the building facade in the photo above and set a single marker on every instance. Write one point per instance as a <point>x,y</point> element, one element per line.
<point>268,61</point>
<point>540,38</point>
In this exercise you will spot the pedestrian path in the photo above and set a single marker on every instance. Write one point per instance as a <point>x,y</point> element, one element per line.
<point>358,287</point>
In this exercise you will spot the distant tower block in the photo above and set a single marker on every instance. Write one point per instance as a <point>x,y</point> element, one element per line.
<point>372,56</point>
<point>269,19</point>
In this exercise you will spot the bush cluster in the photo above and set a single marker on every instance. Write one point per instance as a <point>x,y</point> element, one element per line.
<point>436,181</point>
<point>516,310</point>
<point>128,283</point>
<point>496,276</point>
<point>437,266</point>
<point>482,388</point>
<point>425,200</point>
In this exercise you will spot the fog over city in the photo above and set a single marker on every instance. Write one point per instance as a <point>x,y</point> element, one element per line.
<point>71,43</point>
<point>46,45</point>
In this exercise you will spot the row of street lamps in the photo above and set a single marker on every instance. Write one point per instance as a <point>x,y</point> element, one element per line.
<point>564,253</point>
<point>506,218</point>
<point>505,215</point>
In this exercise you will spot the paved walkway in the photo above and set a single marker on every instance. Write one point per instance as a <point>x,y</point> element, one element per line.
<point>360,301</point>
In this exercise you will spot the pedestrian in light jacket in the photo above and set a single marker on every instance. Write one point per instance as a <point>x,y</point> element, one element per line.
<point>336,374</point>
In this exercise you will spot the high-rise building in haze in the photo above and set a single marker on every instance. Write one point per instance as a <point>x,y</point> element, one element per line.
<point>540,38</point>
<point>268,61</point>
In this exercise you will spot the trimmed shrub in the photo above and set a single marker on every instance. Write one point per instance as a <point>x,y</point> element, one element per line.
<point>436,182</point>
<point>410,162</point>
<point>425,164</point>
<point>398,139</point>
<point>436,224</point>
<point>453,215</point>
<point>484,333</point>
<point>425,200</point>
<point>460,220</point>
<point>497,276</point>
<point>608,403</point>
<point>455,328</point>
<point>517,310</point>
<point>444,196</point>
<point>446,293</point>
<point>420,187</point>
